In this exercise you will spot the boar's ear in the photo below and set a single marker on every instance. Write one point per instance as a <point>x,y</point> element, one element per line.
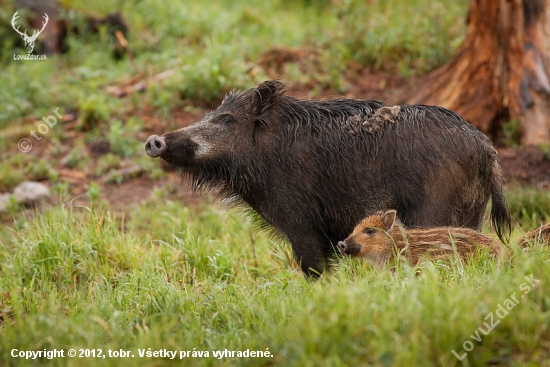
<point>388,218</point>
<point>267,94</point>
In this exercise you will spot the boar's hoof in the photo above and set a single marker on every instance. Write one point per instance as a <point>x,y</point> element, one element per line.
<point>155,146</point>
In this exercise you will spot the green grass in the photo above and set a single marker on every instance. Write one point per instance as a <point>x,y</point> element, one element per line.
<point>15,168</point>
<point>529,206</point>
<point>178,278</point>
<point>214,46</point>
<point>168,276</point>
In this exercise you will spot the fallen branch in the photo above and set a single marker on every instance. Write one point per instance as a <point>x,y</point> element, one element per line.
<point>138,85</point>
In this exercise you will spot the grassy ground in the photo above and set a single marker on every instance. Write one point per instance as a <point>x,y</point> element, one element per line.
<point>200,279</point>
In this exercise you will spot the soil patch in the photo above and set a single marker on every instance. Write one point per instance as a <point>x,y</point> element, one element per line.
<point>526,166</point>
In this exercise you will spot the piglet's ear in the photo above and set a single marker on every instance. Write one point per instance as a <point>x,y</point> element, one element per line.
<point>388,218</point>
<point>267,94</point>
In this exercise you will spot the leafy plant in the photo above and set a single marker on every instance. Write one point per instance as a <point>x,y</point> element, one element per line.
<point>106,163</point>
<point>512,133</point>
<point>77,157</point>
<point>120,140</point>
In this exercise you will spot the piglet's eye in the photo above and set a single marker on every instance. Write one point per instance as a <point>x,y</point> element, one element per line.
<point>370,231</point>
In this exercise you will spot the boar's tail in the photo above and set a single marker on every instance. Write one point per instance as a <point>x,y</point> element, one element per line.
<point>500,215</point>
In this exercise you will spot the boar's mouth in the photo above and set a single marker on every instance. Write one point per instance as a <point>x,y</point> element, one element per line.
<point>177,152</point>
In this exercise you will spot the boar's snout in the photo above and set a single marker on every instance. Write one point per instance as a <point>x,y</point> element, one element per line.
<point>155,146</point>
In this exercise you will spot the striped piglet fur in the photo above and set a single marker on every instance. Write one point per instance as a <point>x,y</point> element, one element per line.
<point>381,237</point>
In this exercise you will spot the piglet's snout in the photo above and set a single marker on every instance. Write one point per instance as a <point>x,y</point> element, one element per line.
<point>342,246</point>
<point>351,249</point>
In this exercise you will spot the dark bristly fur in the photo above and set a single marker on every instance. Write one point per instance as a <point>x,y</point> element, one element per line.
<point>313,168</point>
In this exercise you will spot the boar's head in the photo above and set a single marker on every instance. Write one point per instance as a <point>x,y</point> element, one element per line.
<point>223,145</point>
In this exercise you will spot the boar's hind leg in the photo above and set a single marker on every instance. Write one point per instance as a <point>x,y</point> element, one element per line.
<point>455,196</point>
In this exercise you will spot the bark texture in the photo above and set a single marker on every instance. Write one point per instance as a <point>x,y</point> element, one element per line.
<point>501,70</point>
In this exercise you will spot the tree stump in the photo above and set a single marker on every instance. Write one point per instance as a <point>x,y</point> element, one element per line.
<point>501,70</point>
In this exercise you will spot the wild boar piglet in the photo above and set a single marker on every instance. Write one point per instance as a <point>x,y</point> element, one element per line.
<point>379,238</point>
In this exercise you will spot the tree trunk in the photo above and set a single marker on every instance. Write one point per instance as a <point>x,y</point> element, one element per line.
<point>501,70</point>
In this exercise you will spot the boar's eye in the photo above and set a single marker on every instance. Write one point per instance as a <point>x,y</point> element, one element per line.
<point>225,120</point>
<point>370,231</point>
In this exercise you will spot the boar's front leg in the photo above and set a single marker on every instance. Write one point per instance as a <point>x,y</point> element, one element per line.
<point>308,251</point>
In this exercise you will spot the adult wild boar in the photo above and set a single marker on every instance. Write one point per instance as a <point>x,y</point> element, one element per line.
<point>313,169</point>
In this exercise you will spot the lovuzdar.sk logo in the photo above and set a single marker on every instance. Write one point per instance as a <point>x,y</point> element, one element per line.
<point>29,40</point>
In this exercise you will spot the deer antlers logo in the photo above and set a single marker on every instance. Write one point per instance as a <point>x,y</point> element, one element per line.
<point>29,40</point>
